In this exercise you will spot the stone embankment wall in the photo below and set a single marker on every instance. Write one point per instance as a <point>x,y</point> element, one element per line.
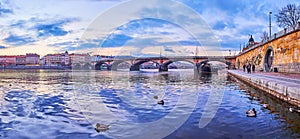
<point>286,91</point>
<point>286,52</point>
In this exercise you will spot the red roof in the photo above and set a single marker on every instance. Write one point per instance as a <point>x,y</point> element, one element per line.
<point>78,54</point>
<point>32,55</point>
<point>6,56</point>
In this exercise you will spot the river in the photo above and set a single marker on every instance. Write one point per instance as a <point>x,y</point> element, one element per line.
<point>62,104</point>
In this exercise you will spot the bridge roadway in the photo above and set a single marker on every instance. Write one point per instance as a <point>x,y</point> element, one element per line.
<point>163,62</point>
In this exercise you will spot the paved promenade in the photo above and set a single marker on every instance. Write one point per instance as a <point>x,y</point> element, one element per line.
<point>282,85</point>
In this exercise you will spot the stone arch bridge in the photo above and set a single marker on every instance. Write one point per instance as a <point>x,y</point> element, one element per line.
<point>163,62</point>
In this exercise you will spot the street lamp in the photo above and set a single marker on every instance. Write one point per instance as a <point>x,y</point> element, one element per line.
<point>270,27</point>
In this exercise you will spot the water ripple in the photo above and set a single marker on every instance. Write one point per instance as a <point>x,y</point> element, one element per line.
<point>64,104</point>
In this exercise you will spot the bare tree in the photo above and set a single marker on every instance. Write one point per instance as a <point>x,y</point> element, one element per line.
<point>288,15</point>
<point>264,36</point>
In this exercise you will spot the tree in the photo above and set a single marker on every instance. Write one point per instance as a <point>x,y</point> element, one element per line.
<point>264,36</point>
<point>288,16</point>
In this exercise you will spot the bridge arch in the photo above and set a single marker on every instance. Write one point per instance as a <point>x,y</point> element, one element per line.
<point>170,61</point>
<point>268,60</point>
<point>164,66</point>
<point>138,63</point>
<point>98,66</point>
<point>198,65</point>
<point>116,63</point>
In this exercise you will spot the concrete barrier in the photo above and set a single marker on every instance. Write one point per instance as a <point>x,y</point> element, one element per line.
<point>281,88</point>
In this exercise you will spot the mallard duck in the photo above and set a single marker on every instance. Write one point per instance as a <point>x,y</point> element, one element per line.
<point>251,113</point>
<point>101,127</point>
<point>155,97</point>
<point>161,102</point>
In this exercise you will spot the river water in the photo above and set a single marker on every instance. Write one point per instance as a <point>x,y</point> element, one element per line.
<point>67,104</point>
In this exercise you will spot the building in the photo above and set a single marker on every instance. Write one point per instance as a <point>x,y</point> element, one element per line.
<point>42,61</point>
<point>32,59</point>
<point>21,60</point>
<point>250,44</point>
<point>8,60</point>
<point>61,59</point>
<point>81,59</point>
<point>18,60</point>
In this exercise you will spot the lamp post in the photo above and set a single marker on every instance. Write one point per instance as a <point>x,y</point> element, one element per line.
<point>270,25</point>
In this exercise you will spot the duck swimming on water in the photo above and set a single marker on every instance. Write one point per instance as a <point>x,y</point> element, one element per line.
<point>161,102</point>
<point>101,127</point>
<point>251,113</point>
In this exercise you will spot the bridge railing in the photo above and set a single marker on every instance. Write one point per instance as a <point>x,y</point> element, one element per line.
<point>166,58</point>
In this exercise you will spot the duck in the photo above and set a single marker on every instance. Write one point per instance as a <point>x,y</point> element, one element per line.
<point>251,113</point>
<point>155,97</point>
<point>101,127</point>
<point>161,102</point>
<point>294,110</point>
<point>265,105</point>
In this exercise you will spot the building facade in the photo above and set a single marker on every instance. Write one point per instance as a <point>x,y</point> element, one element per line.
<point>21,60</point>
<point>8,60</point>
<point>32,59</point>
<point>80,59</point>
<point>61,59</point>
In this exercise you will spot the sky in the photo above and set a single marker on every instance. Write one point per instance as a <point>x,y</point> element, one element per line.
<point>134,27</point>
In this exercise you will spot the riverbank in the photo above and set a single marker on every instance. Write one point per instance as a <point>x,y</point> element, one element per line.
<point>282,86</point>
<point>33,67</point>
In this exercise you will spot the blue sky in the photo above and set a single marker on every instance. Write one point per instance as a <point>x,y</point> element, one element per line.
<point>62,25</point>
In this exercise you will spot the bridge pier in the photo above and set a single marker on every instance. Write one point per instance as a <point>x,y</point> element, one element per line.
<point>109,67</point>
<point>135,68</point>
<point>113,68</point>
<point>196,69</point>
<point>163,68</point>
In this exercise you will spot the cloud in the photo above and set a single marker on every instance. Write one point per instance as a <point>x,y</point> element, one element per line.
<point>149,32</point>
<point>232,21</point>
<point>50,30</point>
<point>18,40</point>
<point>4,11</point>
<point>116,40</point>
<point>53,29</point>
<point>21,50</point>
<point>82,47</point>
<point>49,23</point>
<point>169,49</point>
<point>221,25</point>
<point>44,27</point>
<point>108,0</point>
<point>2,47</point>
<point>67,43</point>
<point>18,24</point>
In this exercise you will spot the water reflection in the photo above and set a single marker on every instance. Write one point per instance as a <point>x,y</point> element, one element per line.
<point>278,109</point>
<point>68,104</point>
